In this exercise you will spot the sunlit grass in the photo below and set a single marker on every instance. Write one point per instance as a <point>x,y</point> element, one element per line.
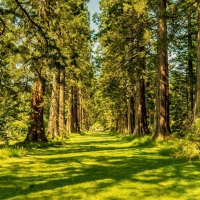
<point>8,152</point>
<point>99,166</point>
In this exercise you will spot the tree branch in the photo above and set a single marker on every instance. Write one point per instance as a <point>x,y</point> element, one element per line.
<point>35,24</point>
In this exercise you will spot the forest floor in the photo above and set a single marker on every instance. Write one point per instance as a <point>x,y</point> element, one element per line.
<point>99,166</point>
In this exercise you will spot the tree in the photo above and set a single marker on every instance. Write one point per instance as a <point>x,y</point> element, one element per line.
<point>190,64</point>
<point>36,129</point>
<point>53,123</point>
<point>161,121</point>
<point>79,70</point>
<point>122,34</point>
<point>197,97</point>
<point>62,125</point>
<point>35,43</point>
<point>182,58</point>
<point>39,50</point>
<point>141,127</point>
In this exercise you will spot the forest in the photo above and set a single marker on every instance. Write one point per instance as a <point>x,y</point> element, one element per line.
<point>110,114</point>
<point>139,74</point>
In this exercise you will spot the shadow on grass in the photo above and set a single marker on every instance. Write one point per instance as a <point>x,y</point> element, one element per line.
<point>96,162</point>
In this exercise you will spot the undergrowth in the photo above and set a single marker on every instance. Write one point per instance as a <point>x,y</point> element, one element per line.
<point>140,141</point>
<point>165,148</point>
<point>20,149</point>
<point>8,152</point>
<point>189,145</point>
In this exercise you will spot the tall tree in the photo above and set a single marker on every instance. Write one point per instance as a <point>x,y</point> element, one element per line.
<point>141,126</point>
<point>53,123</point>
<point>161,123</point>
<point>38,53</point>
<point>79,70</point>
<point>62,125</point>
<point>36,129</point>
<point>122,35</point>
<point>190,64</point>
<point>197,97</point>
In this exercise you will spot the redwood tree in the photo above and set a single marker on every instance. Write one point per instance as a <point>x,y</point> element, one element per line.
<point>61,117</point>
<point>53,124</point>
<point>36,131</point>
<point>141,126</point>
<point>197,97</point>
<point>161,120</point>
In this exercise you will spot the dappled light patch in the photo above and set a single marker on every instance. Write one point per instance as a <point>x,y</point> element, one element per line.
<point>99,166</point>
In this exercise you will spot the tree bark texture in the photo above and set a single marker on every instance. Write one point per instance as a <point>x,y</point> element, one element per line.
<point>70,108</point>
<point>86,120</point>
<point>36,131</point>
<point>131,115</point>
<point>53,126</point>
<point>73,123</point>
<point>161,120</point>
<point>190,68</point>
<point>76,122</point>
<point>197,96</point>
<point>62,126</point>
<point>141,127</point>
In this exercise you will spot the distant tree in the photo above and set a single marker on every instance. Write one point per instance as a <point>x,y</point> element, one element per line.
<point>79,72</point>
<point>61,117</point>
<point>122,34</point>
<point>197,97</point>
<point>53,123</point>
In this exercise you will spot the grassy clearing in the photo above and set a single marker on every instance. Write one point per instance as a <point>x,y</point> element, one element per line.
<point>98,166</point>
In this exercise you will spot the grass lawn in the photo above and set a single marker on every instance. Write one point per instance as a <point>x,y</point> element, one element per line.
<point>99,166</point>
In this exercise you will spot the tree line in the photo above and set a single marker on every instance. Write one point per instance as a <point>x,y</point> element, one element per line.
<point>46,74</point>
<point>149,55</point>
<point>143,78</point>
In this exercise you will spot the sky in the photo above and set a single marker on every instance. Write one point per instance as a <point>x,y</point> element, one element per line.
<point>93,7</point>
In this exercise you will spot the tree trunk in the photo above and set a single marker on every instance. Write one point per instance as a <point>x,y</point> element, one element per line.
<point>75,111</point>
<point>130,107</point>
<point>190,68</point>
<point>86,120</point>
<point>141,127</point>
<point>79,109</point>
<point>73,123</point>
<point>124,117</point>
<point>62,127</point>
<point>54,106</point>
<point>70,105</point>
<point>131,100</point>
<point>125,122</point>
<point>131,116</point>
<point>36,131</point>
<point>132,113</point>
<point>161,123</point>
<point>197,97</point>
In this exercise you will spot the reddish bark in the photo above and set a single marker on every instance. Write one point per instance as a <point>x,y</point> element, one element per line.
<point>36,131</point>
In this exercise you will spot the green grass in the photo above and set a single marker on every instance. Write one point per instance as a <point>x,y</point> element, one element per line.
<point>99,166</point>
<point>8,152</point>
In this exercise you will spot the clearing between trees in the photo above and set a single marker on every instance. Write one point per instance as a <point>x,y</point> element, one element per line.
<point>99,166</point>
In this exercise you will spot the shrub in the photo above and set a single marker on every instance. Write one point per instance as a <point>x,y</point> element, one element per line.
<point>189,146</point>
